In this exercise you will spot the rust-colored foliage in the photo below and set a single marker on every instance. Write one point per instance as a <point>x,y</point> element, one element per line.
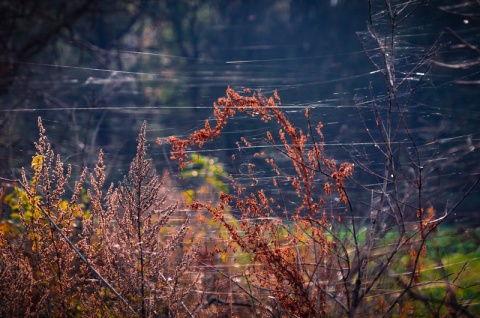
<point>37,265</point>
<point>121,265</point>
<point>288,261</point>
<point>122,237</point>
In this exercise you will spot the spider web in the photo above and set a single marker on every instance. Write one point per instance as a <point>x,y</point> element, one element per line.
<point>337,86</point>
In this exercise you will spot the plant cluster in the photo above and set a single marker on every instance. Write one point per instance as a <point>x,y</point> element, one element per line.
<point>291,259</point>
<point>113,254</point>
<point>294,242</point>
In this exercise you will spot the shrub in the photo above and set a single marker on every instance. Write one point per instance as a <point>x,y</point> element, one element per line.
<point>105,256</point>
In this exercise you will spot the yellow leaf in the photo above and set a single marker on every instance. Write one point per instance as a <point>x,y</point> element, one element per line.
<point>35,238</point>
<point>37,162</point>
<point>5,228</point>
<point>224,257</point>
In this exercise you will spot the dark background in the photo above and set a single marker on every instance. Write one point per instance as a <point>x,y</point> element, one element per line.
<point>95,70</point>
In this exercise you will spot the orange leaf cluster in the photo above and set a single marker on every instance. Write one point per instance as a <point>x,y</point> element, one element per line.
<point>283,267</point>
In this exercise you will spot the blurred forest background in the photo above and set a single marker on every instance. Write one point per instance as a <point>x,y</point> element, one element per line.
<point>95,70</point>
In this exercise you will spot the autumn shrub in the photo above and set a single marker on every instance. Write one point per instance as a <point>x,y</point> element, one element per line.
<point>290,262</point>
<point>311,254</point>
<point>113,254</point>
